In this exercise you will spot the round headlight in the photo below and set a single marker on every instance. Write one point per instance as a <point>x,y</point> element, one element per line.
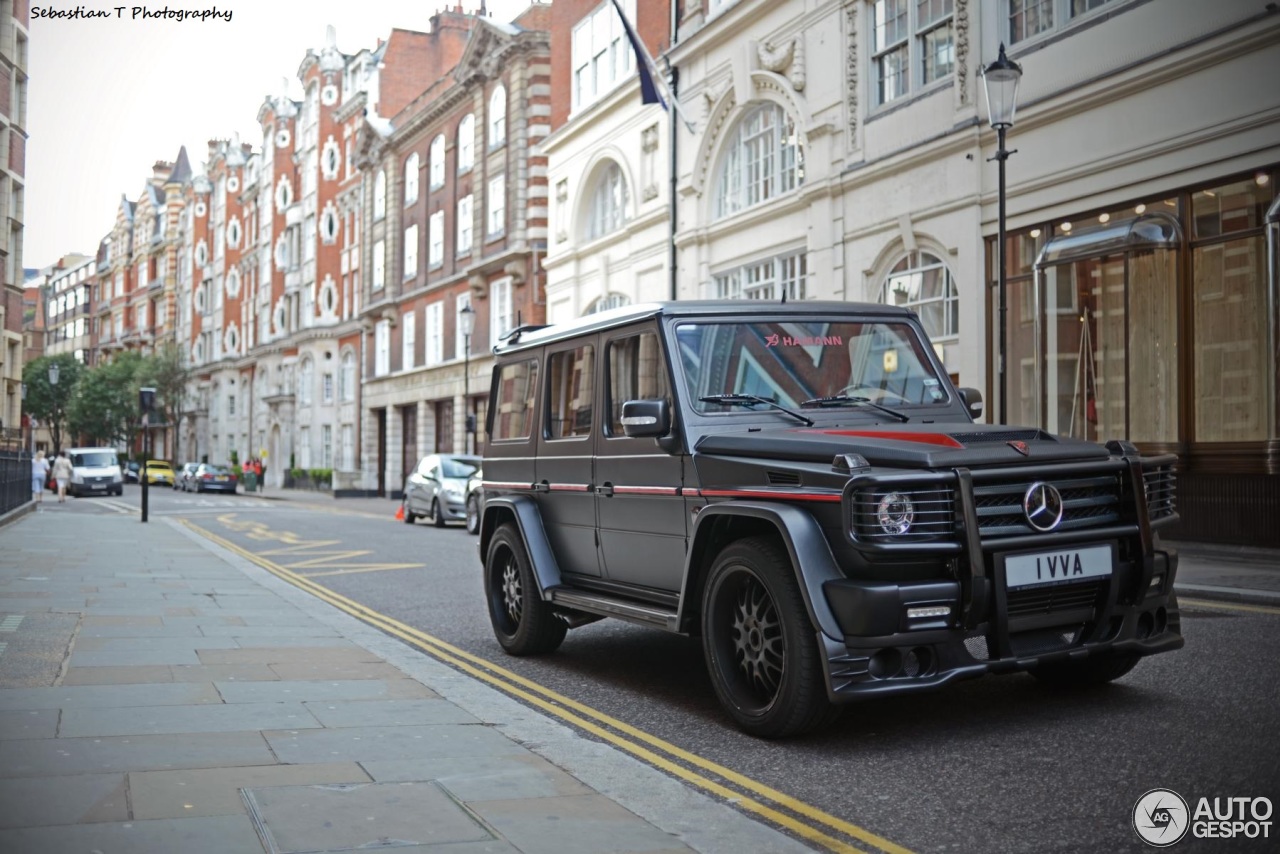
<point>895,513</point>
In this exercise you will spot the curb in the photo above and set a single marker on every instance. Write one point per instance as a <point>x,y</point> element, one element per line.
<point>1243,595</point>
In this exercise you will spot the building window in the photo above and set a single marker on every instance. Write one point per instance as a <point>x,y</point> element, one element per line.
<point>921,282</point>
<point>347,383</point>
<point>348,447</point>
<point>466,143</point>
<point>436,157</point>
<point>411,179</point>
<point>1028,18</point>
<point>496,199</point>
<point>607,302</point>
<point>304,447</point>
<point>498,116</point>
<point>767,280</point>
<point>382,348</point>
<point>501,315</point>
<point>326,446</point>
<point>763,160</point>
<point>461,343</point>
<point>231,405</point>
<point>305,379</point>
<point>326,388</point>
<point>380,195</point>
<point>435,238</point>
<point>379,265</point>
<point>609,200</point>
<point>411,251</point>
<point>408,340</point>
<point>435,333</point>
<point>464,225</point>
<point>906,35</point>
<point>602,55</point>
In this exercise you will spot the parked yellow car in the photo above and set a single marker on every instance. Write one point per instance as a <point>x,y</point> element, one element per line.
<point>159,471</point>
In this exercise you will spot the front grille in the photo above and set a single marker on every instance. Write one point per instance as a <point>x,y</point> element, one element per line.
<point>1161,489</point>
<point>1088,502</point>
<point>1042,641</point>
<point>782,478</point>
<point>1051,600</point>
<point>933,515</point>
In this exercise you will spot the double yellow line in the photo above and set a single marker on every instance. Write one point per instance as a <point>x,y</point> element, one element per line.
<point>813,825</point>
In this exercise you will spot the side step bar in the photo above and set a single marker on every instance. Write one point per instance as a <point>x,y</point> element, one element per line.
<point>592,603</point>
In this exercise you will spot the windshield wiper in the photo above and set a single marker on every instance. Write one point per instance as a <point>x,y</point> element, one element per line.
<point>841,399</point>
<point>749,399</point>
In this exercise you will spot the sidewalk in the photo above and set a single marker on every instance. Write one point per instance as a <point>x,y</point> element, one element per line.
<point>173,697</point>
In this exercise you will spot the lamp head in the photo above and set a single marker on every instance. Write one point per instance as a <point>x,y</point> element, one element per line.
<point>53,373</point>
<point>1000,79</point>
<point>467,317</point>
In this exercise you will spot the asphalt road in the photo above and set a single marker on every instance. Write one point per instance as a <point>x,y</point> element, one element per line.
<point>997,764</point>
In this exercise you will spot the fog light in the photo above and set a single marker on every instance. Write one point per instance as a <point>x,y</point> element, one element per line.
<point>1157,581</point>
<point>895,513</point>
<point>930,611</point>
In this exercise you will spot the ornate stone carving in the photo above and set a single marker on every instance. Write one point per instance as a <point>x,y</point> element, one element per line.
<point>851,70</point>
<point>962,49</point>
<point>778,59</point>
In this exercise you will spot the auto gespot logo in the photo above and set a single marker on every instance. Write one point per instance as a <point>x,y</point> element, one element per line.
<point>1162,817</point>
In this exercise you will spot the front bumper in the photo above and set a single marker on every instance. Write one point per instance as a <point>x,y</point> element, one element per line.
<point>884,651</point>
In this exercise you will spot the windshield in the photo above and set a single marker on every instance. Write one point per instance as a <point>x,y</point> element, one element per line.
<point>799,361</point>
<point>454,467</point>
<point>94,460</point>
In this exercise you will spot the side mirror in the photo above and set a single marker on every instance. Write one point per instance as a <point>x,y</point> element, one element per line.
<point>972,401</point>
<point>646,418</point>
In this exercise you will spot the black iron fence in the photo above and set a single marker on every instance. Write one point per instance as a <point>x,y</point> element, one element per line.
<point>15,478</point>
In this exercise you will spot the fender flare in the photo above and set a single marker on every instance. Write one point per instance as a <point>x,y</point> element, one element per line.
<point>811,557</point>
<point>536,545</point>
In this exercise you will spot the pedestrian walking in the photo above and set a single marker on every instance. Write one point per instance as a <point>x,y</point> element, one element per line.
<point>62,474</point>
<point>39,474</point>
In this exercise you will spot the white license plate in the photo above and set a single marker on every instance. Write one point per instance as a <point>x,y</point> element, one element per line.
<point>1062,566</point>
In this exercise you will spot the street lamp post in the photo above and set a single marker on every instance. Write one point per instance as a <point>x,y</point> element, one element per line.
<point>467,323</point>
<point>1000,79</point>
<point>53,381</point>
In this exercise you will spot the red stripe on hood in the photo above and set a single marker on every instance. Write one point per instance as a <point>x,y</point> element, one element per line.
<point>925,438</point>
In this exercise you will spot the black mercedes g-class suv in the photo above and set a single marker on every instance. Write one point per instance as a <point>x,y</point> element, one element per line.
<point>801,486</point>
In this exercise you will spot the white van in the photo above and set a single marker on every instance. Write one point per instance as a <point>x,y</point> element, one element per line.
<point>95,471</point>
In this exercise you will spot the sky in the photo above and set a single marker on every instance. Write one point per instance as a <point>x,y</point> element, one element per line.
<point>108,98</point>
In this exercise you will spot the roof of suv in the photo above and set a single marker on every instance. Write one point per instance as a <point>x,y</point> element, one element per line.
<point>536,336</point>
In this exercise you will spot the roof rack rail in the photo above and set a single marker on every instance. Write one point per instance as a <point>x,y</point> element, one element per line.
<point>513,336</point>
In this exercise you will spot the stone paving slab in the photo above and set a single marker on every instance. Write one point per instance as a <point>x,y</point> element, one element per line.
<point>128,658</point>
<point>208,835</point>
<point>216,791</point>
<point>598,825</point>
<point>334,670</point>
<point>84,798</point>
<point>161,720</point>
<point>129,644</point>
<point>483,778</point>
<point>60,756</point>
<point>348,654</point>
<point>118,675</point>
<point>108,696</point>
<point>28,723</point>
<point>314,630</point>
<point>388,712</point>
<point>364,744</point>
<point>322,690</point>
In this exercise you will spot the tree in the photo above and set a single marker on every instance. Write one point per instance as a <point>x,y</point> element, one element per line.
<point>105,407</point>
<point>166,371</point>
<point>49,402</point>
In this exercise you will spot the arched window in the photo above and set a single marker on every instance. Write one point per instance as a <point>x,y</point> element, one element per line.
<point>466,143</point>
<point>608,301</point>
<point>380,194</point>
<point>347,379</point>
<point>436,156</point>
<point>498,116</point>
<point>764,159</point>
<point>921,282</point>
<point>608,209</point>
<point>411,179</point>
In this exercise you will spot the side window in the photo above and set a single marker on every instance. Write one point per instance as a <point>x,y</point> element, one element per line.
<point>636,372</point>
<point>570,391</point>
<point>513,409</point>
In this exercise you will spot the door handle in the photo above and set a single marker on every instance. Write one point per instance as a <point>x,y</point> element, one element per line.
<point>605,489</point>
<point>542,486</point>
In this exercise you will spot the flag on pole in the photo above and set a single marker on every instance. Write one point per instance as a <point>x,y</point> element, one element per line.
<point>650,79</point>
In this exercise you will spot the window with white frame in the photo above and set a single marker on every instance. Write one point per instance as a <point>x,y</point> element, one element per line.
<point>497,116</point>
<point>609,199</point>
<point>348,447</point>
<point>466,143</point>
<point>921,282</point>
<point>411,251</point>
<point>326,388</point>
<point>463,245</point>
<point>763,159</point>
<point>435,333</point>
<point>501,315</point>
<point>326,446</point>
<point>496,200</point>
<point>608,301</point>
<point>380,194</point>
<point>1029,18</point>
<point>305,379</point>
<point>382,348</point>
<point>912,45</point>
<point>408,339</point>
<point>435,239</point>
<point>411,179</point>
<point>602,55</point>
<point>767,280</point>
<point>347,382</point>
<point>304,447</point>
<point>460,342</point>
<point>435,154</point>
<point>379,265</point>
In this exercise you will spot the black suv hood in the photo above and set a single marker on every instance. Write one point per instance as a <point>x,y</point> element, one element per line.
<point>904,446</point>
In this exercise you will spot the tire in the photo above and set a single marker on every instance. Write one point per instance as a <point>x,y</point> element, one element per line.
<point>473,513</point>
<point>437,519</point>
<point>1091,671</point>
<point>119,491</point>
<point>408,516</point>
<point>522,622</point>
<point>759,642</point>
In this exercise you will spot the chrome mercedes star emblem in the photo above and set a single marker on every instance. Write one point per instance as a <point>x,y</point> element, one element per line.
<point>1043,505</point>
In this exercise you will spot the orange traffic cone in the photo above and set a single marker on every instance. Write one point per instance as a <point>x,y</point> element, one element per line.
<point>400,513</point>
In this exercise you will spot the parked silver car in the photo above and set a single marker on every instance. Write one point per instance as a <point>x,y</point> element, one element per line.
<point>437,488</point>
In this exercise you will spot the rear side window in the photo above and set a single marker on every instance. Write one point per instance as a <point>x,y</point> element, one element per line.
<point>517,384</point>
<point>636,372</point>
<point>571,389</point>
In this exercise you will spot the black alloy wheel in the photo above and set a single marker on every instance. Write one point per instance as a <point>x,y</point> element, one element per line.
<point>522,622</point>
<point>759,642</point>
